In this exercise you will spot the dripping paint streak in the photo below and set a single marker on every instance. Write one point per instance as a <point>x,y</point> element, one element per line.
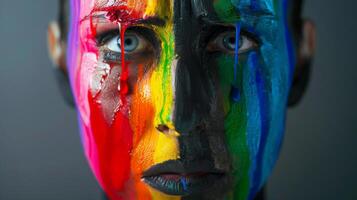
<point>235,92</point>
<point>236,55</point>
<point>124,69</point>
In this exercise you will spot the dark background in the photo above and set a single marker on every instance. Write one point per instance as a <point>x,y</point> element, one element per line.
<point>40,151</point>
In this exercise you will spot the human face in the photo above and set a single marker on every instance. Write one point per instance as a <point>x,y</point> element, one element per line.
<point>191,105</point>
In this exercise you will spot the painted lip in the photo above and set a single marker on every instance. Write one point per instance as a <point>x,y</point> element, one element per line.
<point>175,178</point>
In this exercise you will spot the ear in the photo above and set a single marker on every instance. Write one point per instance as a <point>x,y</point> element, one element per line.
<point>305,54</point>
<point>56,46</point>
<point>57,52</point>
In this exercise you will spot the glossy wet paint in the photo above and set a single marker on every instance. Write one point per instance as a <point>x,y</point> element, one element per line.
<point>224,112</point>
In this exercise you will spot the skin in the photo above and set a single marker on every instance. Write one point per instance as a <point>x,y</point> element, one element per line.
<point>207,86</point>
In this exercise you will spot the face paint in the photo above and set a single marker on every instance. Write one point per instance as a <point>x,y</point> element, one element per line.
<point>180,99</point>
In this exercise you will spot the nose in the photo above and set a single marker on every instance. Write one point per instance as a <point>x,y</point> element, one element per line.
<point>193,97</point>
<point>196,117</point>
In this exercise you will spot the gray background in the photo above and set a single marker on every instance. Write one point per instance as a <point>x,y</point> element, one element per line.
<point>40,151</point>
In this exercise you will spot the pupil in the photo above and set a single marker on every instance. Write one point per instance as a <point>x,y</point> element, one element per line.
<point>232,40</point>
<point>229,42</point>
<point>128,42</point>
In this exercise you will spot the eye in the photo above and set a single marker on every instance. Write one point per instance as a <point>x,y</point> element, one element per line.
<point>226,42</point>
<point>133,43</point>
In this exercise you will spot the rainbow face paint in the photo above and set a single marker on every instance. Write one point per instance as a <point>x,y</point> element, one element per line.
<point>180,99</point>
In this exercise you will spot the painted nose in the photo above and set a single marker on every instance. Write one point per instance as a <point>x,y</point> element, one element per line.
<point>193,97</point>
<point>194,115</point>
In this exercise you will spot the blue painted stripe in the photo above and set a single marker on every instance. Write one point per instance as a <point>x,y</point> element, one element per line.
<point>236,55</point>
<point>264,113</point>
<point>254,5</point>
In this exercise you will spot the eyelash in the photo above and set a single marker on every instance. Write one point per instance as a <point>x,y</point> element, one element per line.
<point>145,32</point>
<point>209,35</point>
<point>110,56</point>
<point>211,32</point>
<point>103,38</point>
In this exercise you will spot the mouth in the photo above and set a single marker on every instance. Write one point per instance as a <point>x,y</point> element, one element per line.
<point>175,178</point>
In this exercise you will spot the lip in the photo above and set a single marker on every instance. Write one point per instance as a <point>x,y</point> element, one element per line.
<point>175,178</point>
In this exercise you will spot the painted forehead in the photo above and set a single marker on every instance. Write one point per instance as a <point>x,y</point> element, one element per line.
<point>128,9</point>
<point>207,8</point>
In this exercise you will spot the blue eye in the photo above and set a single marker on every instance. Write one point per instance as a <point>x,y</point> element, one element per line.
<point>226,42</point>
<point>132,43</point>
<point>229,41</point>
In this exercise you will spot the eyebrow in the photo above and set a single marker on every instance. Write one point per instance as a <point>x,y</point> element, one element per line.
<point>154,20</point>
<point>244,11</point>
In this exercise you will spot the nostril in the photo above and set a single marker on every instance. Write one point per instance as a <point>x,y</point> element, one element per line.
<point>163,128</point>
<point>201,127</point>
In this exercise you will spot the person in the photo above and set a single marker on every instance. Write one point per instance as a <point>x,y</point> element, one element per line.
<point>182,99</point>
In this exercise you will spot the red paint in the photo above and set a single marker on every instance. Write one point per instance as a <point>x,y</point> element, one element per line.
<point>120,14</point>
<point>124,69</point>
<point>124,17</point>
<point>114,141</point>
<point>113,145</point>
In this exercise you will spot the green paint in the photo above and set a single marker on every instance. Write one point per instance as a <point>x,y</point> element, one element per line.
<point>226,11</point>
<point>226,77</point>
<point>235,129</point>
<point>165,64</point>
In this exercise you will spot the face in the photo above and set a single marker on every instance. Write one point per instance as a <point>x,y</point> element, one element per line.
<point>180,99</point>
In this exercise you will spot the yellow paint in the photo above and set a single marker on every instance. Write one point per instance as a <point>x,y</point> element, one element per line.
<point>162,95</point>
<point>155,91</point>
<point>167,148</point>
<point>160,8</point>
<point>150,7</point>
<point>156,195</point>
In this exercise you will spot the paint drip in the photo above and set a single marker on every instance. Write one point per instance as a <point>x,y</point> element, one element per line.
<point>235,92</point>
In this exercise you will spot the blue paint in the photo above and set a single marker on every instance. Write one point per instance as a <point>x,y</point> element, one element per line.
<point>253,108</point>
<point>236,54</point>
<point>254,5</point>
<point>235,92</point>
<point>264,113</point>
<point>184,184</point>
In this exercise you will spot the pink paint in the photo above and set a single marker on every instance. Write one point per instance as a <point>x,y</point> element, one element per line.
<point>107,145</point>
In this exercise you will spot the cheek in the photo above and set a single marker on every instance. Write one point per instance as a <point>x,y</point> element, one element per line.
<point>107,138</point>
<point>149,146</point>
<point>141,120</point>
<point>83,77</point>
<point>141,109</point>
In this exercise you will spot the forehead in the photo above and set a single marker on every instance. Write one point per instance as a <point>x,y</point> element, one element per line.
<point>128,8</point>
<point>166,8</point>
